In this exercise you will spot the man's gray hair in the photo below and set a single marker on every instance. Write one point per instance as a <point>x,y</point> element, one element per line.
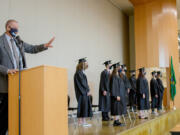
<point>10,21</point>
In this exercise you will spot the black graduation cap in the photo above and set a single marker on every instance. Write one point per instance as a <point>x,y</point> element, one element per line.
<point>153,72</point>
<point>123,66</point>
<point>82,60</point>
<point>159,72</point>
<point>118,64</point>
<point>141,69</point>
<point>115,65</point>
<point>107,62</point>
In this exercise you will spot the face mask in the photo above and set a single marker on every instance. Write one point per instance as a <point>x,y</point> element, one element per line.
<point>13,32</point>
<point>120,70</point>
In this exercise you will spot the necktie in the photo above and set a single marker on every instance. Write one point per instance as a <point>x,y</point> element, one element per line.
<point>15,53</point>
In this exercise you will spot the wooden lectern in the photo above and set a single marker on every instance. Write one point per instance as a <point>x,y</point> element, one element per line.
<point>43,102</point>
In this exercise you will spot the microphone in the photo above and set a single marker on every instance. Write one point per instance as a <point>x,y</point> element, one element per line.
<point>19,40</point>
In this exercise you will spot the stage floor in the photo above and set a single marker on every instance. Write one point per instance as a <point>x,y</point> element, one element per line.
<point>105,128</point>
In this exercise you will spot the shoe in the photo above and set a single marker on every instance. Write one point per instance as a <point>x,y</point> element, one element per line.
<point>161,111</point>
<point>86,125</point>
<point>142,117</point>
<point>156,114</point>
<point>117,123</point>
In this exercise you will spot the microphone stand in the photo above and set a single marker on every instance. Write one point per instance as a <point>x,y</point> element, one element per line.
<point>19,45</point>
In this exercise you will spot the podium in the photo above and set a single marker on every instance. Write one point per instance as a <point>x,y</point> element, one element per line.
<point>43,102</point>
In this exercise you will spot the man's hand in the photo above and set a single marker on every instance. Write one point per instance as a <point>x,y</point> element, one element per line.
<point>12,71</point>
<point>49,44</point>
<point>104,93</point>
<point>128,90</point>
<point>118,98</point>
<point>89,94</point>
<point>144,96</point>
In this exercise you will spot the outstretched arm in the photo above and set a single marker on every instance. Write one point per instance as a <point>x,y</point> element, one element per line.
<point>37,48</point>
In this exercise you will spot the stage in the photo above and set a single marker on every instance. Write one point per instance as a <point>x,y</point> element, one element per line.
<point>160,125</point>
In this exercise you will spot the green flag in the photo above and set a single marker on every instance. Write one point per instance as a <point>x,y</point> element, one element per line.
<point>173,81</point>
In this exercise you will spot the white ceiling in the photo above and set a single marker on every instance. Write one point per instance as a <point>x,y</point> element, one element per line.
<point>127,7</point>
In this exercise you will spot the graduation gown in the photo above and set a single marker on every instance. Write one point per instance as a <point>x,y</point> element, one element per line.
<point>160,93</point>
<point>117,88</point>
<point>160,86</point>
<point>132,94</point>
<point>153,87</point>
<point>154,91</point>
<point>104,101</point>
<point>81,91</point>
<point>127,86</point>
<point>143,88</point>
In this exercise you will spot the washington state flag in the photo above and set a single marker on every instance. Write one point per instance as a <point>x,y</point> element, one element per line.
<point>173,81</point>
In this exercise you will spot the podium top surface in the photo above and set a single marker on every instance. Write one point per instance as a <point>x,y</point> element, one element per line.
<point>42,67</point>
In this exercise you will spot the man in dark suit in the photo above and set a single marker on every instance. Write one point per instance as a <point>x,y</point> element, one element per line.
<point>11,59</point>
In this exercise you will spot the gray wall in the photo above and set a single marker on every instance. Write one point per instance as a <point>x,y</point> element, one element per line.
<point>92,28</point>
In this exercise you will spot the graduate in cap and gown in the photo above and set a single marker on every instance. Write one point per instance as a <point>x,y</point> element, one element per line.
<point>117,90</point>
<point>160,91</point>
<point>154,93</point>
<point>104,91</point>
<point>126,82</point>
<point>82,92</point>
<point>132,93</point>
<point>143,94</point>
<point>123,88</point>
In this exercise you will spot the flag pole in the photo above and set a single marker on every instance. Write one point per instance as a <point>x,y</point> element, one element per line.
<point>174,108</point>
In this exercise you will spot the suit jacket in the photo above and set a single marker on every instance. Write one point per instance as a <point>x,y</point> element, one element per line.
<point>6,60</point>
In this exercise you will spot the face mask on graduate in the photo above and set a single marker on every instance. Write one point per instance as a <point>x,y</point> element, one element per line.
<point>120,70</point>
<point>13,32</point>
